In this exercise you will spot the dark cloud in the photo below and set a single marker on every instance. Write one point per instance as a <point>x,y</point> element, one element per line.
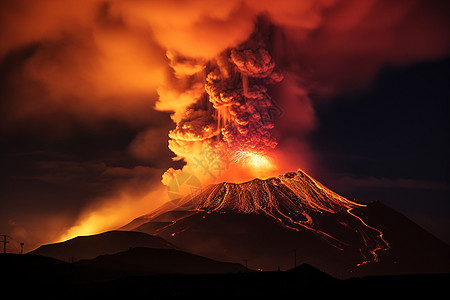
<point>355,39</point>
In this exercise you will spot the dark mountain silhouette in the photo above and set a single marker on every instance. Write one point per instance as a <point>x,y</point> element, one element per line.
<point>145,261</point>
<point>310,273</point>
<point>31,276</point>
<point>37,269</point>
<point>265,221</point>
<point>133,262</point>
<point>87,247</point>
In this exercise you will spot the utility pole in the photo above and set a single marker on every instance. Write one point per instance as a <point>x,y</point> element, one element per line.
<point>21,248</point>
<point>295,258</point>
<point>5,237</point>
<point>246,269</point>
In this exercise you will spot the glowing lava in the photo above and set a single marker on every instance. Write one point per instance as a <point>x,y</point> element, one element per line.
<point>253,160</point>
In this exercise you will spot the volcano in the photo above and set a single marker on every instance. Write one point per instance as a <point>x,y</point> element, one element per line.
<point>291,219</point>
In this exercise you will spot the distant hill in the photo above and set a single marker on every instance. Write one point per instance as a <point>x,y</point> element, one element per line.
<point>110,242</point>
<point>138,261</point>
<point>310,273</point>
<point>145,261</point>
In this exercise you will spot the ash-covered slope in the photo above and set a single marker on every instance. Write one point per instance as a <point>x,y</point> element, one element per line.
<point>267,221</point>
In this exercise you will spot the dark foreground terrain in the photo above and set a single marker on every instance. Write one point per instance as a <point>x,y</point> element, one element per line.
<point>28,276</point>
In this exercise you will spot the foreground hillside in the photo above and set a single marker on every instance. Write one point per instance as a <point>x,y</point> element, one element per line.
<point>39,276</point>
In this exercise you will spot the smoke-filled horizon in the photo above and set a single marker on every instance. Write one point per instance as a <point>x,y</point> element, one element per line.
<point>213,81</point>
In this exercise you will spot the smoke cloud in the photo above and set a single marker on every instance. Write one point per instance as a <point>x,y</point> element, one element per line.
<point>224,108</point>
<point>101,60</point>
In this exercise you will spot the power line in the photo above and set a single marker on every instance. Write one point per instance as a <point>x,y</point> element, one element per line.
<point>5,241</point>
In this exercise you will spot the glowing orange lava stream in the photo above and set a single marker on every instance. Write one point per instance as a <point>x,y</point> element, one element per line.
<point>380,235</point>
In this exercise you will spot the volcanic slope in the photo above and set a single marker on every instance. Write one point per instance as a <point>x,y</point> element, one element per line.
<point>292,219</point>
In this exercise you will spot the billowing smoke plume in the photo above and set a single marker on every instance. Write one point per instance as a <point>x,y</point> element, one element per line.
<point>224,109</point>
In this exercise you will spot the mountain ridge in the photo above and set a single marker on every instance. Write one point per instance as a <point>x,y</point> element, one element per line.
<point>91,246</point>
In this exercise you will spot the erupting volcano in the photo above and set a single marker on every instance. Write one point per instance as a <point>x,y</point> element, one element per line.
<point>197,113</point>
<point>265,221</point>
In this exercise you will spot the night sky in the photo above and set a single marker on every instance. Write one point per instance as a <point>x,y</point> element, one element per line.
<point>391,143</point>
<point>78,124</point>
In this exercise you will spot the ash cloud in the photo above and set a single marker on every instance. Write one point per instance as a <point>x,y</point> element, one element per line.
<point>230,109</point>
<point>91,62</point>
